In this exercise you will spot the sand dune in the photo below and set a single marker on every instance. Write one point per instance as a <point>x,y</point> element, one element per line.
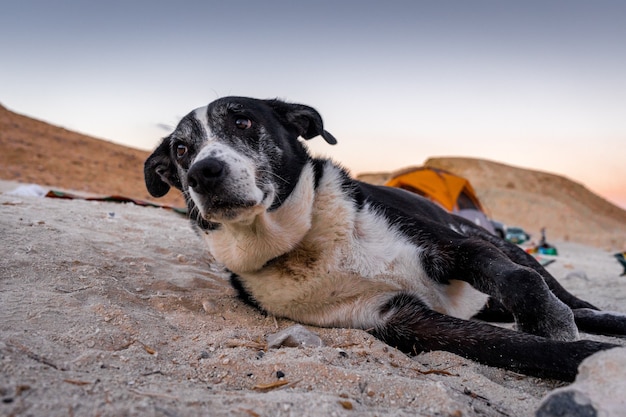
<point>533,199</point>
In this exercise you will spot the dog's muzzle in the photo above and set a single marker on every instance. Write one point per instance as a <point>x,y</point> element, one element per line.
<point>221,191</point>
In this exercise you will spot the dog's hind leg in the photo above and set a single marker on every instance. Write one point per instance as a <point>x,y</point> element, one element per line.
<point>412,327</point>
<point>600,322</point>
<point>520,289</point>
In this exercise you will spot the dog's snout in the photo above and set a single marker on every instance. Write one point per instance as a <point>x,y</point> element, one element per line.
<point>206,174</point>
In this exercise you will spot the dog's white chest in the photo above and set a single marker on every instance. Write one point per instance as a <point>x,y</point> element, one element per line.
<point>345,267</point>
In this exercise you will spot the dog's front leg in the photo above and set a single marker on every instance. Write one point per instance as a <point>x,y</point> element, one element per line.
<point>413,328</point>
<point>588,317</point>
<point>520,289</point>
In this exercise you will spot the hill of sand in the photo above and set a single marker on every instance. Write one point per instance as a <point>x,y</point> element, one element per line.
<point>37,152</point>
<point>532,200</point>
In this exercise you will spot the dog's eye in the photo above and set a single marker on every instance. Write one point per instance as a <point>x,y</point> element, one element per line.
<point>243,123</point>
<point>181,150</point>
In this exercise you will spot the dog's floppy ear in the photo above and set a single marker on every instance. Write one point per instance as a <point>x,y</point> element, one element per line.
<point>160,172</point>
<point>305,120</point>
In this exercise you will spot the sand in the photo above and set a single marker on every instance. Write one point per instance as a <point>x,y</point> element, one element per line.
<point>113,309</point>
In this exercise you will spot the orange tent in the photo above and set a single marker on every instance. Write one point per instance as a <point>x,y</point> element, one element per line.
<point>452,192</point>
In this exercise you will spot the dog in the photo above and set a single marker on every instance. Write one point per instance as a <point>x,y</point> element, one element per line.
<point>305,241</point>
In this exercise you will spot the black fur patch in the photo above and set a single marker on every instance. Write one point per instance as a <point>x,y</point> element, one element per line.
<point>413,328</point>
<point>242,293</point>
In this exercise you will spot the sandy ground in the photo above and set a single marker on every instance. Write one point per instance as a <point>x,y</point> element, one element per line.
<point>113,309</point>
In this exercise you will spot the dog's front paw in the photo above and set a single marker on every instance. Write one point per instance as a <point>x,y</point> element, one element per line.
<point>556,322</point>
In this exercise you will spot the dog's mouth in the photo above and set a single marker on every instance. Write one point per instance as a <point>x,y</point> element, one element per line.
<point>227,210</point>
<point>223,210</point>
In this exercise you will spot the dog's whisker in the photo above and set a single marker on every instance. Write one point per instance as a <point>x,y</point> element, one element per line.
<point>273,175</point>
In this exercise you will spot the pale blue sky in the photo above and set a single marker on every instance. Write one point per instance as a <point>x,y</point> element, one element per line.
<point>536,84</point>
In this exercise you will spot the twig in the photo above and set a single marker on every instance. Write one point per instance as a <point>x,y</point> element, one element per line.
<point>250,412</point>
<point>157,372</point>
<point>276,384</point>
<point>153,394</point>
<point>485,400</point>
<point>232,343</point>
<point>35,356</point>
<point>147,348</point>
<point>76,382</point>
<point>436,372</point>
<point>67,291</point>
<point>271,385</point>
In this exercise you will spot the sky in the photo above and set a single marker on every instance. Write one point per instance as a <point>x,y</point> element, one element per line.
<point>533,84</point>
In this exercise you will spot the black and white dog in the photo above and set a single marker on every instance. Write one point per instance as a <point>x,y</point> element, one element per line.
<point>307,242</point>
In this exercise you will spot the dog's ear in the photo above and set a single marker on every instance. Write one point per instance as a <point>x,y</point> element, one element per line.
<point>305,120</point>
<point>160,172</point>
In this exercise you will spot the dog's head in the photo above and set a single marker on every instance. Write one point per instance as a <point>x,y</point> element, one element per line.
<point>235,157</point>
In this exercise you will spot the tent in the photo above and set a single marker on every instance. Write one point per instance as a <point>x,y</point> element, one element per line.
<point>452,192</point>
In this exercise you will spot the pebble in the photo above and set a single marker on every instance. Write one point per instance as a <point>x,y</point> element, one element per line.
<point>209,307</point>
<point>294,336</point>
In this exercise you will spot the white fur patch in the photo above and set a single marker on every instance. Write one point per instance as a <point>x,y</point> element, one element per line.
<point>247,246</point>
<point>338,265</point>
<point>201,114</point>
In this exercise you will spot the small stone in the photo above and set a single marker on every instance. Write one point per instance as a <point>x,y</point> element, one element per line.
<point>280,374</point>
<point>209,307</point>
<point>294,336</point>
<point>598,390</point>
<point>567,403</point>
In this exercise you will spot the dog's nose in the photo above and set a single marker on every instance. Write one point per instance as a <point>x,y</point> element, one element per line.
<point>204,175</point>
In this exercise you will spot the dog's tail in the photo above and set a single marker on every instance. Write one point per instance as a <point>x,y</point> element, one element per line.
<point>413,328</point>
